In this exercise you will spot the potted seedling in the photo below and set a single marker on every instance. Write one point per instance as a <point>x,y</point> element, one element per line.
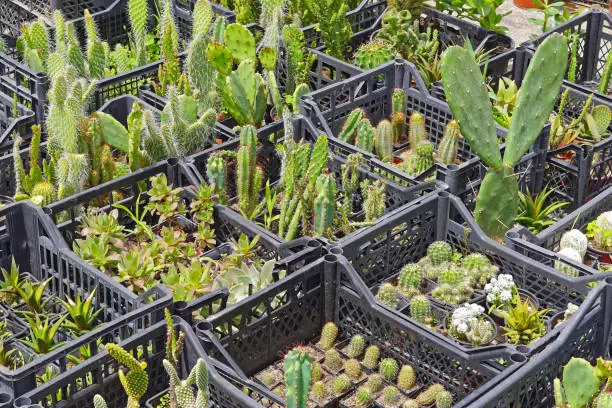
<point>523,322</point>
<point>562,316</point>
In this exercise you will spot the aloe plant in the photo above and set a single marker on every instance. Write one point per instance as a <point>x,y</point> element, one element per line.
<point>42,335</point>
<point>81,314</point>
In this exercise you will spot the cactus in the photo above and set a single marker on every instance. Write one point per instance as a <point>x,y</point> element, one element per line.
<point>201,72</point>
<point>249,177</point>
<point>325,204</point>
<point>417,133</point>
<point>316,372</point>
<point>410,403</point>
<point>384,141</point>
<point>365,135</point>
<point>352,368</point>
<point>373,54</point>
<point>391,395</point>
<point>350,180</point>
<point>356,346</point>
<point>371,356</point>
<point>375,382</point>
<point>406,379</point>
<point>318,391</point>
<point>444,400</point>
<point>388,368</point>
<point>301,90</point>
<point>350,126</point>
<point>99,402</point>
<point>478,269</point>
<point>335,28</point>
<point>216,172</point>
<point>599,231</point>
<point>572,254</point>
<point>429,396</point>
<point>181,391</point>
<point>604,400</point>
<point>136,381</point>
<point>329,333</point>
<point>420,309</point>
<point>332,360</point>
<point>480,332</point>
<point>341,384</point>
<point>363,396</point>
<point>420,160</point>
<point>571,71</point>
<point>497,201</point>
<point>96,49</point>
<point>398,100</point>
<point>604,82</point>
<point>398,122</point>
<point>299,60</point>
<point>409,280</point>
<point>387,296</point>
<point>580,384</point>
<point>203,16</point>
<point>449,145</point>
<point>138,12</point>
<point>35,45</point>
<point>297,367</point>
<point>374,199</point>
<point>439,251</point>
<point>169,71</point>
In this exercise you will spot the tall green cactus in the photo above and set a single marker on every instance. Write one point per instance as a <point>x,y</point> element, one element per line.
<point>138,11</point>
<point>96,51</point>
<point>299,60</point>
<point>216,171</point>
<point>449,145</point>
<point>497,201</point>
<point>417,133</point>
<point>350,180</point>
<point>334,26</point>
<point>169,71</point>
<point>298,368</point>
<point>384,140</point>
<point>136,381</point>
<point>365,135</point>
<point>325,204</point>
<point>374,199</point>
<point>249,177</point>
<point>349,128</point>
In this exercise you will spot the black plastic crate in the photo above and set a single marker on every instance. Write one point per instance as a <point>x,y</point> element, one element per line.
<point>451,31</point>
<point>99,375</point>
<point>28,235</point>
<point>587,335</point>
<point>12,123</point>
<point>543,246</point>
<point>247,338</point>
<point>587,173</point>
<point>594,30</point>
<point>329,107</point>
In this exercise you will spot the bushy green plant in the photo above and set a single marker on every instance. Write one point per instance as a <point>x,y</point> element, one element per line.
<point>524,323</point>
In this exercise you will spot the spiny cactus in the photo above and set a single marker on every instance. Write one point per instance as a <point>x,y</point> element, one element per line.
<point>365,135</point>
<point>203,16</point>
<point>429,396</point>
<point>169,71</point>
<point>136,381</point>
<point>318,391</point>
<point>299,60</point>
<point>574,239</point>
<point>409,280</point>
<point>373,54</point>
<point>325,204</point>
<point>350,126</point>
<point>410,403</point>
<point>249,177</point>
<point>356,346</point>
<point>35,45</point>
<point>363,396</point>
<point>138,12</point>
<point>352,368</point>
<point>387,295</point>
<point>96,49</point>
<point>181,391</point>
<point>375,382</point>
<point>391,395</point>
<point>334,26</point>
<point>480,332</point>
<point>374,199</point>
<point>417,133</point>
<point>406,379</point>
<point>439,251</point>
<point>420,159</point>
<point>350,180</point>
<point>371,356</point>
<point>297,366</point>
<point>388,368</point>
<point>201,72</point>
<point>317,372</point>
<point>332,360</point>
<point>384,141</point>
<point>478,269</point>
<point>497,201</point>
<point>604,400</point>
<point>604,81</point>
<point>449,145</point>
<point>420,309</point>
<point>216,172</point>
<point>329,334</point>
<point>444,400</point>
<point>341,384</point>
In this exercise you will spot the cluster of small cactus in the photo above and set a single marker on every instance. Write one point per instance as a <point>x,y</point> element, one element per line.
<point>374,53</point>
<point>497,200</point>
<point>334,26</point>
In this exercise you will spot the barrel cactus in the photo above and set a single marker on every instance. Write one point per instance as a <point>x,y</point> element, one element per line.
<point>406,378</point>
<point>574,239</point>
<point>439,251</point>
<point>371,356</point>
<point>373,54</point>
<point>388,368</point>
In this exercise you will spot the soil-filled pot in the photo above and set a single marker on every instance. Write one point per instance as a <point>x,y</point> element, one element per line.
<point>526,4</point>
<point>447,329</point>
<point>602,256</point>
<point>496,316</point>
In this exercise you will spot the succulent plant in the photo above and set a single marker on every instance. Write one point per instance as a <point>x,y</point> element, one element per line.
<point>299,60</point>
<point>363,396</point>
<point>365,135</point>
<point>373,54</point>
<point>318,391</point>
<point>599,231</point>
<point>136,381</point>
<point>497,200</point>
<point>410,403</point>
<point>580,386</point>
<point>333,25</point>
<point>417,133</point>
<point>523,322</point>
<point>574,239</point>
<point>384,140</point>
<point>439,251</point>
<point>352,368</point>
<point>449,145</point>
<point>420,309</point>
<point>341,384</point>
<point>374,195</point>
<point>430,395</point>
<point>350,125</point>
<point>316,372</point>
<point>420,159</point>
<point>332,360</point>
<point>356,346</point>
<point>391,395</point>
<point>572,254</point>
<point>297,366</point>
<point>478,269</point>
<point>375,382</point>
<point>409,280</point>
<point>388,368</point>
<point>371,356</point>
<point>444,400</point>
<point>329,334</point>
<point>406,378</point>
<point>249,176</point>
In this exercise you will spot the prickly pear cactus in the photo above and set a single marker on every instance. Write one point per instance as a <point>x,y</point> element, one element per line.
<point>580,383</point>
<point>136,381</point>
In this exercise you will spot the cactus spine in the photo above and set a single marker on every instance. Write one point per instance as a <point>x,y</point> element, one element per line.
<point>384,141</point>
<point>406,379</point>
<point>297,366</point>
<point>429,396</point>
<point>356,346</point>
<point>497,201</point>
<point>329,333</point>
<point>439,251</point>
<point>449,145</point>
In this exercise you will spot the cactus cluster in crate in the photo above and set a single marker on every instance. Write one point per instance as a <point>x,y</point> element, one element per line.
<point>358,130</point>
<point>359,376</point>
<point>497,200</point>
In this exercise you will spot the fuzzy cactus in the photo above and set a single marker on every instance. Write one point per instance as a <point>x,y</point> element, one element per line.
<point>449,145</point>
<point>363,396</point>
<point>318,391</point>
<point>391,395</point>
<point>365,135</point>
<point>374,203</point>
<point>332,360</point>
<point>604,81</point>
<point>375,382</point>
<point>387,295</point>
<point>406,379</point>
<point>350,126</point>
<point>373,54</point>
<point>297,367</point>
<point>478,269</point>
<point>420,309</point>
<point>439,251</point>
<point>317,372</point>
<point>429,396</point>
<point>388,368</point>
<point>371,356</point>
<point>356,346</point>
<point>444,400</point>
<point>329,334</point>
<point>410,403</point>
<point>409,280</point>
<point>136,381</point>
<point>497,201</point>
<point>574,239</point>
<point>572,254</point>
<point>352,368</point>
<point>341,384</point>
<point>384,141</point>
<point>138,13</point>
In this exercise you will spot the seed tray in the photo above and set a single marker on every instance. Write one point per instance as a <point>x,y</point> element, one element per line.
<point>28,235</point>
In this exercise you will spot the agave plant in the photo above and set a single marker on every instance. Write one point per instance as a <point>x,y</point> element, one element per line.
<point>10,284</point>
<point>32,294</point>
<point>533,211</point>
<point>524,323</point>
<point>42,334</point>
<point>81,314</point>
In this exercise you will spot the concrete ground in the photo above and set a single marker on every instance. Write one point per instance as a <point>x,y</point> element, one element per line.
<point>518,22</point>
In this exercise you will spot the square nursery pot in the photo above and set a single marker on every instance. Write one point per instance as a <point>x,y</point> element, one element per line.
<point>328,109</point>
<point>71,390</point>
<point>399,189</point>
<point>380,253</point>
<point>29,236</point>
<point>248,338</point>
<point>366,21</point>
<point>577,172</point>
<point>543,247</point>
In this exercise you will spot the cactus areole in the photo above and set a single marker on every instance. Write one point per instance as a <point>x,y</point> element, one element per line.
<point>497,201</point>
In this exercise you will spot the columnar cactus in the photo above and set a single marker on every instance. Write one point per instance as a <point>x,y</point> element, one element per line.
<point>497,201</point>
<point>388,368</point>
<point>332,360</point>
<point>216,172</point>
<point>406,379</point>
<point>181,390</point>
<point>449,145</point>
<point>325,204</point>
<point>328,336</point>
<point>352,368</point>
<point>349,128</point>
<point>356,346</point>
<point>136,381</point>
<point>417,133</point>
<point>317,372</point>
<point>297,367</point>
<point>371,356</point>
<point>350,180</point>
<point>249,177</point>
<point>299,60</point>
<point>409,280</point>
<point>384,141</point>
<point>365,135</point>
<point>341,384</point>
<point>429,396</point>
<point>374,199</point>
<point>138,12</point>
<point>420,159</point>
<point>420,309</point>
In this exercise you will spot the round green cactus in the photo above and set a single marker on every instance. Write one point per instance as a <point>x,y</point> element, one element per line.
<point>318,391</point>
<point>406,378</point>
<point>373,54</point>
<point>375,382</point>
<point>333,360</point>
<point>391,395</point>
<point>410,403</point>
<point>420,309</point>
<point>444,400</point>
<point>370,359</point>
<point>439,252</point>
<point>363,396</point>
<point>388,368</point>
<point>387,295</point>
<point>356,346</point>
<point>341,384</point>
<point>328,336</point>
<point>352,368</point>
